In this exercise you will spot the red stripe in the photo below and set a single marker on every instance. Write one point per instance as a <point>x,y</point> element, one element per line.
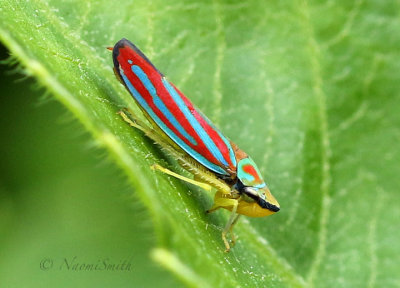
<point>126,54</point>
<point>249,169</point>
<point>214,135</point>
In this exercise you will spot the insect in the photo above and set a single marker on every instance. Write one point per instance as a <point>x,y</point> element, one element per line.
<point>200,147</point>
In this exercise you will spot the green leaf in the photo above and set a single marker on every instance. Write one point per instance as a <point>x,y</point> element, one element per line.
<point>308,89</point>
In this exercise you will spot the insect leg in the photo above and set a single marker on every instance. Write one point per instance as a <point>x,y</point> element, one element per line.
<point>234,238</point>
<point>127,117</point>
<point>229,224</point>
<point>186,162</point>
<point>213,208</point>
<point>205,186</point>
<point>230,204</point>
<point>222,200</point>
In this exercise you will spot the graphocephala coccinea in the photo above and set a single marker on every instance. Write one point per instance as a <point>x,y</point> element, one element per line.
<point>177,123</point>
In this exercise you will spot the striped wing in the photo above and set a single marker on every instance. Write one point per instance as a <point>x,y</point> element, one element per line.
<point>172,111</point>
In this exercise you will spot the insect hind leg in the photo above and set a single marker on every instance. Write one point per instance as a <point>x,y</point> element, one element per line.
<point>126,115</point>
<point>203,185</point>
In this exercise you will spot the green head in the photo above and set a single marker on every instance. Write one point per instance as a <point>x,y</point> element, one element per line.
<point>253,188</point>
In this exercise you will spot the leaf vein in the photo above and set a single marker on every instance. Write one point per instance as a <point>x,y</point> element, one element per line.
<point>315,58</point>
<point>219,59</point>
<point>347,26</point>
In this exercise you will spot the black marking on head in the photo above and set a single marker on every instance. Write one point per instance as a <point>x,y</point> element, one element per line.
<point>123,43</point>
<point>267,205</point>
<point>250,192</point>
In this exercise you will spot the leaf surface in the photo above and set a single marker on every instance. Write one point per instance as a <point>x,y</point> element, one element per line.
<point>309,90</point>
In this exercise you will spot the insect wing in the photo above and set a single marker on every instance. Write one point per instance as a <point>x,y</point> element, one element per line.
<point>172,111</point>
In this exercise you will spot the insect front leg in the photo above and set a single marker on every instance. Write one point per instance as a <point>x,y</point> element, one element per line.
<point>230,204</point>
<point>234,238</point>
<point>229,225</point>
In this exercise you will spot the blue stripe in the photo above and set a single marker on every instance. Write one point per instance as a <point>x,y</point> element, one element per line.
<point>195,124</point>
<point>228,144</point>
<point>226,141</point>
<point>259,186</point>
<point>160,104</point>
<point>142,102</point>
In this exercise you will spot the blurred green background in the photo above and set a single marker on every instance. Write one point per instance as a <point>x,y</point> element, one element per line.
<point>310,89</point>
<point>61,198</point>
